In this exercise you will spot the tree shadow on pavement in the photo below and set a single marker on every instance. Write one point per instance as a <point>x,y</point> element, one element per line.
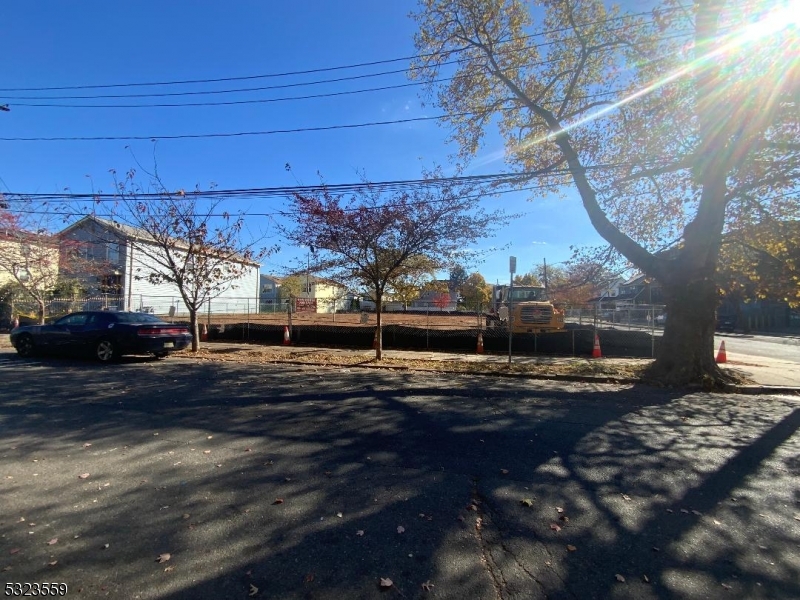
<point>315,483</point>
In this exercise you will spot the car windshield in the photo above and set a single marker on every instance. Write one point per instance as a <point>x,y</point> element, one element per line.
<point>133,317</point>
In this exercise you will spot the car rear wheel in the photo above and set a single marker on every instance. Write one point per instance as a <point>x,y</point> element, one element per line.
<point>25,345</point>
<point>105,351</point>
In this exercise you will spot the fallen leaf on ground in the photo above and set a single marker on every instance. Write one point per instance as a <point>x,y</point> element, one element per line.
<point>360,533</point>
<point>339,515</point>
<point>53,563</point>
<point>571,548</point>
<point>162,558</point>
<point>645,578</point>
<point>386,582</point>
<point>87,444</point>
<point>427,586</point>
<point>247,450</point>
<point>83,476</point>
<point>168,569</point>
<point>504,471</point>
<point>53,541</point>
<point>105,546</point>
<point>400,529</point>
<point>206,451</point>
<point>278,501</point>
<point>186,515</point>
<point>555,527</point>
<point>726,586</point>
<point>619,578</point>
<point>559,510</point>
<point>309,578</point>
<point>684,511</point>
<point>253,590</point>
<point>526,502</point>
<point>209,437</point>
<point>564,518</point>
<point>626,497</point>
<point>13,551</point>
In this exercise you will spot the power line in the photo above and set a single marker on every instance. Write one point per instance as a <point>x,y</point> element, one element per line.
<point>321,69</point>
<point>221,135</point>
<point>41,99</point>
<point>402,185</point>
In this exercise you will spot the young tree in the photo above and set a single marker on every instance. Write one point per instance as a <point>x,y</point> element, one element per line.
<point>370,239</point>
<point>292,286</point>
<point>190,243</point>
<point>458,275</point>
<point>31,255</point>
<point>659,131</point>
<point>406,286</point>
<point>476,292</point>
<point>529,278</point>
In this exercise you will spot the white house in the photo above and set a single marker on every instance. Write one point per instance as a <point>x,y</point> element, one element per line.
<point>124,259</point>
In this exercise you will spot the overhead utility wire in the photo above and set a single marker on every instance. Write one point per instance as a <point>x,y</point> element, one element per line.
<point>280,86</point>
<point>282,191</point>
<point>317,70</point>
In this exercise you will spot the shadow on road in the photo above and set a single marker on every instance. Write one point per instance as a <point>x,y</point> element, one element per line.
<point>264,476</point>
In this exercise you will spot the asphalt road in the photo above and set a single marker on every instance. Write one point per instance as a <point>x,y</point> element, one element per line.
<point>269,481</point>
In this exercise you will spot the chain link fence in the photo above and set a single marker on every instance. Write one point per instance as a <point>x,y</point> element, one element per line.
<point>629,331</point>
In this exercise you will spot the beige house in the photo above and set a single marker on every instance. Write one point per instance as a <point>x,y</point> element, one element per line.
<point>321,295</point>
<point>29,259</point>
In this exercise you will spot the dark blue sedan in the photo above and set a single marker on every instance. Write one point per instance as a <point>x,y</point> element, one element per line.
<point>104,335</point>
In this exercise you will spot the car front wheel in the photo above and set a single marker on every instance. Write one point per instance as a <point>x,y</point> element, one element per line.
<point>25,346</point>
<point>105,351</point>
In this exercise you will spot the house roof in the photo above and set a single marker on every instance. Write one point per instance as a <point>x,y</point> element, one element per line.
<point>130,232</point>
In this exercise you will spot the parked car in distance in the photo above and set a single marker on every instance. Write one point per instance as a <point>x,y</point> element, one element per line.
<point>105,335</point>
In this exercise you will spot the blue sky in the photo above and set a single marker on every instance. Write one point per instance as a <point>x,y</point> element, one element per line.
<point>51,43</point>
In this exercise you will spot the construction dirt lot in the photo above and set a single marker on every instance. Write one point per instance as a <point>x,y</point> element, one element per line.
<point>412,319</point>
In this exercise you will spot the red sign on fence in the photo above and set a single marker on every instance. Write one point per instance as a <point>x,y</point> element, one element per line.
<point>305,305</point>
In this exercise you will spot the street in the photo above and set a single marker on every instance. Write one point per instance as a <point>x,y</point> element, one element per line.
<point>185,479</point>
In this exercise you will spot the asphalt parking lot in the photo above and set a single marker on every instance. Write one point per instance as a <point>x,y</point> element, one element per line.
<point>183,479</point>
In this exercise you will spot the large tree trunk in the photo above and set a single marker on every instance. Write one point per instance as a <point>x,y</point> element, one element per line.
<point>195,329</point>
<point>686,352</point>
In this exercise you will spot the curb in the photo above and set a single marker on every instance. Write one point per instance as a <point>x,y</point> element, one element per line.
<point>749,390</point>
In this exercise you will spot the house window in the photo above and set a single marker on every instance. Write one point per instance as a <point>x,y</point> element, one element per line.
<point>113,253</point>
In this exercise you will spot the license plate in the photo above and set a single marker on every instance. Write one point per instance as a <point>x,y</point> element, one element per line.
<point>169,344</point>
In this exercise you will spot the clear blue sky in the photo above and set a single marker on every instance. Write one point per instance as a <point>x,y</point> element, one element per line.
<point>53,43</point>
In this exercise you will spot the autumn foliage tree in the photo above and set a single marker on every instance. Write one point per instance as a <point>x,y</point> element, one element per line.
<point>190,243</point>
<point>32,257</point>
<point>370,238</point>
<point>664,123</point>
<point>476,293</point>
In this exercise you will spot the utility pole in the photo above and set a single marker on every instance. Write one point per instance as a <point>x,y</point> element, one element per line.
<point>512,267</point>
<point>546,290</point>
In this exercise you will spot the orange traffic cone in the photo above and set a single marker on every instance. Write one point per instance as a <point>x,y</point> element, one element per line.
<point>286,340</point>
<point>480,342</point>
<point>204,333</point>
<point>722,356</point>
<point>596,350</point>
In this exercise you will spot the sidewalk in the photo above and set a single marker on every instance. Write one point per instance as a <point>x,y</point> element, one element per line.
<point>783,376</point>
